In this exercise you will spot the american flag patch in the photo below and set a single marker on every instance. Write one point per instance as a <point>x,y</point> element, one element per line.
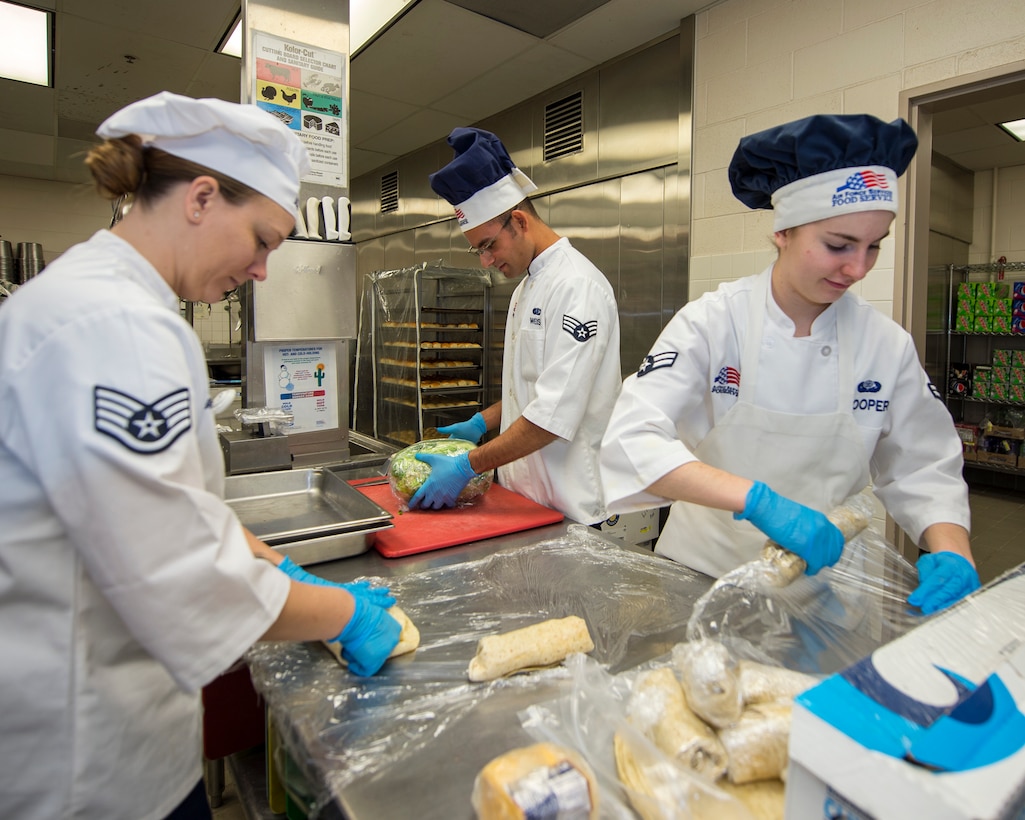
<point>862,180</point>
<point>146,428</point>
<point>581,331</point>
<point>728,375</point>
<point>657,360</point>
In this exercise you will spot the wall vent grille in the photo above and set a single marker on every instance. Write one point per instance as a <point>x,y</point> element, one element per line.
<point>390,192</point>
<point>564,127</point>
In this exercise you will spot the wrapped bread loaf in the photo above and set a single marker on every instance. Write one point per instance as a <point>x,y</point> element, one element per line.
<point>658,790</point>
<point>757,743</point>
<point>538,645</point>
<point>761,683</point>
<point>409,637</point>
<point>764,798</point>
<point>851,517</point>
<point>658,708</point>
<point>539,782</point>
<point>709,676</point>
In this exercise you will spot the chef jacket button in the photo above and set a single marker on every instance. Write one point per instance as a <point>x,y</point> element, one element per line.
<point>769,343</point>
<point>826,350</point>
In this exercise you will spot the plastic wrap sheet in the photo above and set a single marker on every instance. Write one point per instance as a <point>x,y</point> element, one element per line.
<point>341,727</point>
<point>817,624</point>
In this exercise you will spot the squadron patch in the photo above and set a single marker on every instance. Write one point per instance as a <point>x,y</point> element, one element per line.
<point>581,331</point>
<point>141,427</point>
<point>654,362</point>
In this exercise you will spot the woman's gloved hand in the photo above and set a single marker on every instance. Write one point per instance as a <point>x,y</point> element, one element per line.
<point>802,530</point>
<point>376,595</point>
<point>943,578</point>
<point>449,474</point>
<point>368,638</point>
<point>473,429</point>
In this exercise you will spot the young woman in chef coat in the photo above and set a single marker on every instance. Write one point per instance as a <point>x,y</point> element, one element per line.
<point>766,403</point>
<point>126,583</point>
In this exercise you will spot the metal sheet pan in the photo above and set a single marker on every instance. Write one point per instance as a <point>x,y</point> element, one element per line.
<point>311,515</point>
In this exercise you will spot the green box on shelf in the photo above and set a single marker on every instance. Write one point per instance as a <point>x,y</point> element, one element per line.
<point>1017,376</point>
<point>1000,324</point>
<point>1001,307</point>
<point>966,290</point>
<point>1002,358</point>
<point>964,322</point>
<point>1000,375</point>
<point>998,391</point>
<point>1016,393</point>
<point>1018,358</point>
<point>995,290</point>
<point>982,374</point>
<point>982,324</point>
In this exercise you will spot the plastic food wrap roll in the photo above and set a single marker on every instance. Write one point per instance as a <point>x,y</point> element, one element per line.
<point>533,646</point>
<point>850,518</point>
<point>761,683</point>
<point>757,743</point>
<point>658,708</point>
<point>539,782</point>
<point>709,676</point>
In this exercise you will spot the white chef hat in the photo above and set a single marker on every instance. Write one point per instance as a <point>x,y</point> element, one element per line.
<point>481,182</point>
<point>240,141</point>
<point>822,166</point>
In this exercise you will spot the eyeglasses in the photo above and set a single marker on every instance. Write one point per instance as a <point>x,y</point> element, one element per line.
<point>485,247</point>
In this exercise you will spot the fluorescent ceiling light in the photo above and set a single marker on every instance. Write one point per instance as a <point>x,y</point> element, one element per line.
<point>232,44</point>
<point>368,17</point>
<point>24,44</point>
<point>1016,128</point>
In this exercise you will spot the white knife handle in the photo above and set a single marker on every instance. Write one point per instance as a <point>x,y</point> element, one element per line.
<point>300,225</point>
<point>329,218</point>
<point>343,219</point>
<point>313,217</point>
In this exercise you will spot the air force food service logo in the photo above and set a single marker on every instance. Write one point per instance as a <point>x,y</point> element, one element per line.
<point>581,331</point>
<point>142,428</point>
<point>863,186</point>
<point>727,381</point>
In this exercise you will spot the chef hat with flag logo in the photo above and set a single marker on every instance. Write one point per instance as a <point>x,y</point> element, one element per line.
<point>481,182</point>
<point>240,141</point>
<point>822,166</point>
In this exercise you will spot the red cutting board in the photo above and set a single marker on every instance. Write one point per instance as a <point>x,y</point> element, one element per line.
<point>499,512</point>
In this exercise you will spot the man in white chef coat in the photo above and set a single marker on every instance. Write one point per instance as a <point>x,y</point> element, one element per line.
<point>560,372</point>
<point>765,404</point>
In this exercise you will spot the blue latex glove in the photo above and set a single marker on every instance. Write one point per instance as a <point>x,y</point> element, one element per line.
<point>943,578</point>
<point>800,529</point>
<point>473,429</point>
<point>449,474</point>
<point>368,638</point>
<point>376,595</point>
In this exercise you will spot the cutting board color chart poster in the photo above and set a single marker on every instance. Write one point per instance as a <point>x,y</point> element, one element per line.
<point>303,380</point>
<point>302,86</point>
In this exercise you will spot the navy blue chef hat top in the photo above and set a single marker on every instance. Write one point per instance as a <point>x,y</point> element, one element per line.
<point>822,166</point>
<point>481,182</point>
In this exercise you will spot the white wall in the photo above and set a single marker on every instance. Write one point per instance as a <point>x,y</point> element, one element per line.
<point>760,63</point>
<point>1007,236</point>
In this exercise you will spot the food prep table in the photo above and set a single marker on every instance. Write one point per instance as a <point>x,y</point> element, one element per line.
<point>410,741</point>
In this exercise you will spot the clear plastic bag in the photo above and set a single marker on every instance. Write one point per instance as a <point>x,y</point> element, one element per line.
<point>406,473</point>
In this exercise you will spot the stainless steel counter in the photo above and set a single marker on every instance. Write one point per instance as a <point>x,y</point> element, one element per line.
<point>409,742</point>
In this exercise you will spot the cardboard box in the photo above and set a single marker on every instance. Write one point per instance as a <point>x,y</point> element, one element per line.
<point>950,695</point>
<point>639,528</point>
<point>999,459</point>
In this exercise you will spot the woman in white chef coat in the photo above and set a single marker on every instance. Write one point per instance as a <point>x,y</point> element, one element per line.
<point>769,401</point>
<point>126,583</point>
<point>560,370</point>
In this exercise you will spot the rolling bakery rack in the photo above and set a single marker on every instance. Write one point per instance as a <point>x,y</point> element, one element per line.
<point>427,339</point>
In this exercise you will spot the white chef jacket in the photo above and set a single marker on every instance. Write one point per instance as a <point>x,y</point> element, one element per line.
<point>561,372</point>
<point>688,382</point>
<point>126,583</point>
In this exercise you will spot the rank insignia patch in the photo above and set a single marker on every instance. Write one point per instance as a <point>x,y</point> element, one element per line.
<point>654,362</point>
<point>581,331</point>
<point>141,427</point>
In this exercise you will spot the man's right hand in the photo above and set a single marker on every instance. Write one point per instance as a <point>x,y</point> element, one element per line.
<point>802,530</point>
<point>473,429</point>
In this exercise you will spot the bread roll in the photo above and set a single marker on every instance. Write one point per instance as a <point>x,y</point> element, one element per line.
<point>409,637</point>
<point>539,782</point>
<point>761,683</point>
<point>709,676</point>
<point>657,707</point>
<point>537,645</point>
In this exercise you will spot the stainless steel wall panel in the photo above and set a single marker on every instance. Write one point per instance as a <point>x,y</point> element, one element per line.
<point>642,219</point>
<point>418,202</point>
<point>638,111</point>
<point>676,243</point>
<point>515,126</point>
<point>589,217</point>
<point>365,201</point>
<point>434,243</point>
<point>398,250</point>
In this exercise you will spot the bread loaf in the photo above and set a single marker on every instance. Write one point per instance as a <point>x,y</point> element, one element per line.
<point>537,645</point>
<point>539,782</point>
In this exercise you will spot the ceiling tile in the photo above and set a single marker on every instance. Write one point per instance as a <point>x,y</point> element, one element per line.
<point>414,132</point>
<point>537,17</point>
<point>371,114</point>
<point>27,107</point>
<point>198,23</point>
<point>618,27</point>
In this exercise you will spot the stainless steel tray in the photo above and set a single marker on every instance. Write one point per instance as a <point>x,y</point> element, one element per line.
<point>310,515</point>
